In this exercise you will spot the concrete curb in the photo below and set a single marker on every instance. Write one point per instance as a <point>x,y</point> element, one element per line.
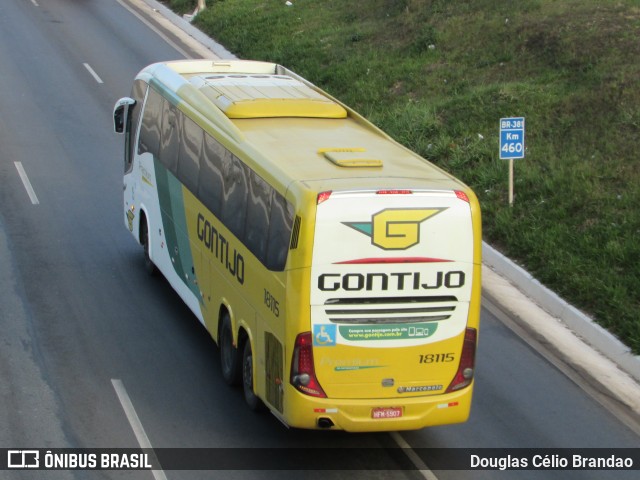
<point>218,51</point>
<point>599,372</point>
<point>583,326</point>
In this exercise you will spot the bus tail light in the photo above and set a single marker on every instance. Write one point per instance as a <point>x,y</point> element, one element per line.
<point>303,373</point>
<point>464,375</point>
<point>323,196</point>
<point>462,196</point>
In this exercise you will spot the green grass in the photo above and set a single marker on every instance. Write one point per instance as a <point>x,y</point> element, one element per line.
<point>438,74</point>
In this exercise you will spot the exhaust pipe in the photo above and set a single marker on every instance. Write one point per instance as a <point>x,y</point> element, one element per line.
<point>324,422</point>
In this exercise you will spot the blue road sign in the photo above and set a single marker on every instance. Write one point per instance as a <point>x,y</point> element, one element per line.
<point>512,138</point>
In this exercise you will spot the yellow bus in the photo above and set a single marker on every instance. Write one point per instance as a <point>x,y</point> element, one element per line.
<point>338,272</point>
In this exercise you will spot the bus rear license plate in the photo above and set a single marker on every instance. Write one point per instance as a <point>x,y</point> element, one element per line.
<point>386,412</point>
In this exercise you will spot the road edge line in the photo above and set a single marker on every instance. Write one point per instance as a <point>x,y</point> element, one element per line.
<point>422,467</point>
<point>134,422</point>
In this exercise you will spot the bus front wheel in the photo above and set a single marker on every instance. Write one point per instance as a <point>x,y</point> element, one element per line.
<point>149,266</point>
<point>252,399</point>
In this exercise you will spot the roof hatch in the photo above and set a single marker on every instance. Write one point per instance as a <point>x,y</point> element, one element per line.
<point>350,157</point>
<point>265,95</point>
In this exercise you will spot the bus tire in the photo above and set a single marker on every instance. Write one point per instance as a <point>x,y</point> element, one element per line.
<point>149,266</point>
<point>251,398</point>
<point>229,355</point>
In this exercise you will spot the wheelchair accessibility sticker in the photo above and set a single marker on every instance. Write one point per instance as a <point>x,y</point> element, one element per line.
<point>324,335</point>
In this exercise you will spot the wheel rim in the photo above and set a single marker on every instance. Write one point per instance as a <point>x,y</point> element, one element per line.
<point>247,372</point>
<point>226,350</point>
<point>145,245</point>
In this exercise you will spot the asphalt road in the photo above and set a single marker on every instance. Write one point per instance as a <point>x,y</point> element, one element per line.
<point>82,322</point>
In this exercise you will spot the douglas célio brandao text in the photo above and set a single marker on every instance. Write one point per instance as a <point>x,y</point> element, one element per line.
<point>551,462</point>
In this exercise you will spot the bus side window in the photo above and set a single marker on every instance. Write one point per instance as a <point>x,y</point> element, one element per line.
<point>190,152</point>
<point>280,224</point>
<point>169,138</point>
<point>236,189</point>
<point>151,120</point>
<point>210,180</point>
<point>257,220</point>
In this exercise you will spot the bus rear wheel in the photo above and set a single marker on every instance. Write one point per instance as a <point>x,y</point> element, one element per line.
<point>229,354</point>
<point>251,398</point>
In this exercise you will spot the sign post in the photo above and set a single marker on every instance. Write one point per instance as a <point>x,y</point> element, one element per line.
<point>511,145</point>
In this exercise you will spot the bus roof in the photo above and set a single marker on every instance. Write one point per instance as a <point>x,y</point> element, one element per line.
<point>265,96</point>
<point>301,133</point>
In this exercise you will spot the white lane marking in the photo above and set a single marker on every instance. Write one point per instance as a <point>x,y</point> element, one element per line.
<point>93,74</point>
<point>26,183</point>
<point>134,421</point>
<point>35,4</point>
<point>426,473</point>
<point>158,32</point>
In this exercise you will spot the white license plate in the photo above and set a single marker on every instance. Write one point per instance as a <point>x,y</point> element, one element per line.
<point>386,412</point>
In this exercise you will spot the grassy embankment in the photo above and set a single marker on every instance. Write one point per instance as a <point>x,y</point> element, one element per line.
<point>438,74</point>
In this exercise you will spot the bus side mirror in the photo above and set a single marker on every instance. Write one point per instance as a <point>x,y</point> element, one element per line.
<point>120,113</point>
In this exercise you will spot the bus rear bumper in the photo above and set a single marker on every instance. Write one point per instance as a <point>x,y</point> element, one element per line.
<point>379,415</point>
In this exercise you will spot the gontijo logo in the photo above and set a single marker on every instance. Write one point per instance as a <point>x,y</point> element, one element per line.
<point>395,228</point>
